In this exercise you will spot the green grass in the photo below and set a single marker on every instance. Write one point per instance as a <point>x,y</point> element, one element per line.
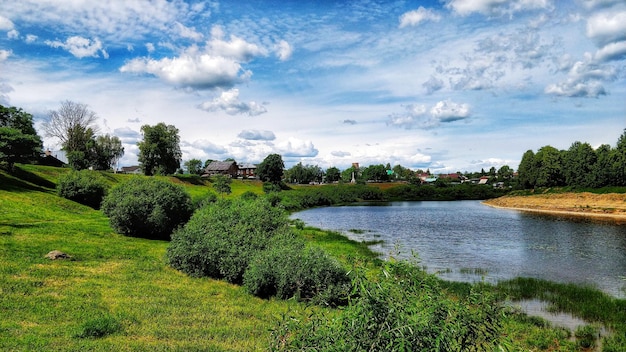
<point>117,293</point>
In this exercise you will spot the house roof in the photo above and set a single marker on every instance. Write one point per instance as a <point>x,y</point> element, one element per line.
<point>219,166</point>
<point>247,166</point>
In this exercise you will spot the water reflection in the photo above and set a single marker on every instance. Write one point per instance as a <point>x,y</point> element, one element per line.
<point>468,241</point>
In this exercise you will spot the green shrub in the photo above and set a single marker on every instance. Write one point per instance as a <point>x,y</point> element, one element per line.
<point>586,336</point>
<point>147,207</point>
<point>403,309</point>
<point>221,238</point>
<point>85,187</point>
<point>249,195</point>
<point>201,201</point>
<point>288,269</point>
<point>99,327</point>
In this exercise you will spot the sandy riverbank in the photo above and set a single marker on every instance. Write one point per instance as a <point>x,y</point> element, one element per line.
<point>606,206</point>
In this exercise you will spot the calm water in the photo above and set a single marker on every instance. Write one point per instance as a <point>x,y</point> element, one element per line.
<point>468,241</point>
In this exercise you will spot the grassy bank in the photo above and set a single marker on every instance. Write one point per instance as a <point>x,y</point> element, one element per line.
<point>117,293</point>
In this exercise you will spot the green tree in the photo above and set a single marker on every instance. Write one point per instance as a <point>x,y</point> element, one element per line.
<point>332,174</point>
<point>603,170</point>
<point>549,162</point>
<point>159,151</point>
<point>619,161</point>
<point>304,174</point>
<point>108,150</point>
<point>19,141</point>
<point>194,166</point>
<point>505,172</point>
<point>73,124</point>
<point>578,165</point>
<point>527,170</point>
<point>271,169</point>
<point>222,184</point>
<point>376,173</point>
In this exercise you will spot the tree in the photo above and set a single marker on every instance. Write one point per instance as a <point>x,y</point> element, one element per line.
<point>578,165</point>
<point>159,151</point>
<point>304,174</point>
<point>332,174</point>
<point>70,124</point>
<point>619,160</point>
<point>602,173</point>
<point>376,173</point>
<point>194,166</point>
<point>505,172</point>
<point>549,162</point>
<point>271,169</point>
<point>19,141</point>
<point>222,184</point>
<point>108,150</point>
<point>527,171</point>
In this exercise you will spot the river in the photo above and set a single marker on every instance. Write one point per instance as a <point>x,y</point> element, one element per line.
<point>469,241</point>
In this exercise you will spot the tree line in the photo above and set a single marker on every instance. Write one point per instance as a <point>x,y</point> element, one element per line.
<point>580,166</point>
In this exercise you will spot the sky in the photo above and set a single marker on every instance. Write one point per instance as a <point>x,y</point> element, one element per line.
<point>450,85</point>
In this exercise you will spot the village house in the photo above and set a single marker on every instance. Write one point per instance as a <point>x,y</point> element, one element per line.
<point>133,170</point>
<point>221,168</point>
<point>246,171</point>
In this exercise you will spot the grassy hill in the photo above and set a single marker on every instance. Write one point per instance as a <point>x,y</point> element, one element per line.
<point>111,282</point>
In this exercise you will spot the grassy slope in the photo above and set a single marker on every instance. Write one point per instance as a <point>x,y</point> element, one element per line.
<point>45,303</point>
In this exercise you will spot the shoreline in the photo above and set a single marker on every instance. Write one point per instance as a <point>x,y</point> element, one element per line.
<point>611,207</point>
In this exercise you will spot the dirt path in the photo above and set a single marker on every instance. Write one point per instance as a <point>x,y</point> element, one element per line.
<point>609,206</point>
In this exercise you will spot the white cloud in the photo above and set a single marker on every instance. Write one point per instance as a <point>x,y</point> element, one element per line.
<point>584,79</point>
<point>415,17</point>
<point>80,47</point>
<point>150,47</point>
<point>218,65</point>
<point>340,154</point>
<point>4,54</point>
<point>420,116</point>
<point>186,32</point>
<point>283,50</point>
<point>5,24</point>
<point>432,85</point>
<point>31,38</point>
<point>607,27</point>
<point>13,34</point>
<point>229,102</point>
<point>495,7</point>
<point>448,111</point>
<point>127,135</point>
<point>294,147</point>
<point>612,51</point>
<point>256,135</point>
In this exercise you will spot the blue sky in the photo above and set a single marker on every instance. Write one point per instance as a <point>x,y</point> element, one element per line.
<point>452,85</point>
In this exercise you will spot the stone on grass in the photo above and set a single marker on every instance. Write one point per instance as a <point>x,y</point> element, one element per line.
<point>57,255</point>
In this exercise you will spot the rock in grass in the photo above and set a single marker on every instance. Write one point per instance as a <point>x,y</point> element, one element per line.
<point>57,255</point>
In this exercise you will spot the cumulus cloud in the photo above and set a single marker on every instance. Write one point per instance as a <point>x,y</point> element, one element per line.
<point>31,38</point>
<point>13,34</point>
<point>5,88</point>
<point>4,54</point>
<point>607,27</point>
<point>294,147</point>
<point>206,146</point>
<point>186,32</point>
<point>218,65</point>
<point>584,79</point>
<point>80,47</point>
<point>415,17</point>
<point>612,51</point>
<point>229,102</point>
<point>495,7</point>
<point>283,50</point>
<point>432,85</point>
<point>256,135</point>
<point>420,116</point>
<point>5,24</point>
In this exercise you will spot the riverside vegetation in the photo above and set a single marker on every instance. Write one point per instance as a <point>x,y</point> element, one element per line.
<point>134,293</point>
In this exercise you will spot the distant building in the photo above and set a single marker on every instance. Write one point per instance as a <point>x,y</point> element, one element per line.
<point>135,170</point>
<point>246,171</point>
<point>229,168</point>
<point>52,159</point>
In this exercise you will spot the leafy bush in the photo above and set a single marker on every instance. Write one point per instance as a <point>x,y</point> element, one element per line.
<point>85,187</point>
<point>403,309</point>
<point>249,195</point>
<point>147,207</point>
<point>221,238</point>
<point>586,336</point>
<point>288,268</point>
